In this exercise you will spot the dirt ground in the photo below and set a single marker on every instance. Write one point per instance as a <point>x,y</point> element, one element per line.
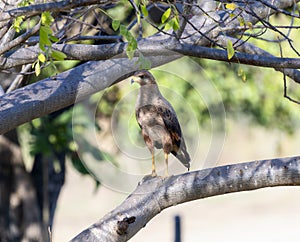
<point>271,214</point>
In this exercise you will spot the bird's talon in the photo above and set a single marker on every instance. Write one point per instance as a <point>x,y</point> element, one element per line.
<point>166,174</point>
<point>153,174</point>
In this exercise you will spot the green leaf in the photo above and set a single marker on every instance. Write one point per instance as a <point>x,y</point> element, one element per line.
<point>46,29</point>
<point>230,50</point>
<point>231,6</point>
<point>241,21</point>
<point>130,53</point>
<point>166,15</point>
<point>123,30</point>
<point>46,18</point>
<point>244,77</point>
<point>138,16</point>
<point>242,74</point>
<point>52,65</point>
<point>175,23</point>
<point>131,47</point>
<point>131,41</point>
<point>37,68</point>
<point>44,37</point>
<point>25,3</point>
<point>17,23</point>
<point>58,55</point>
<point>249,24</point>
<point>145,63</point>
<point>115,24</point>
<point>144,10</point>
<point>169,25</point>
<point>53,38</point>
<point>42,57</point>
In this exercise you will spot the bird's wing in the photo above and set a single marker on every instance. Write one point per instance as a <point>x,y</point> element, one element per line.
<point>137,116</point>
<point>171,123</point>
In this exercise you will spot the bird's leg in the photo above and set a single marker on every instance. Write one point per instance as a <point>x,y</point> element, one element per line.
<point>153,164</point>
<point>167,161</point>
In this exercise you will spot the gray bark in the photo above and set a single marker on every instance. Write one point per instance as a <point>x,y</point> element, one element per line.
<point>153,195</point>
<point>51,94</point>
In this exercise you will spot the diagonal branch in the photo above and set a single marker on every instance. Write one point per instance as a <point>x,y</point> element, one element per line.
<point>20,39</point>
<point>69,87</point>
<point>156,194</point>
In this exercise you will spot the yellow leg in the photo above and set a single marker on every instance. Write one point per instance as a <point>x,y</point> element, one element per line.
<point>167,169</point>
<point>153,165</point>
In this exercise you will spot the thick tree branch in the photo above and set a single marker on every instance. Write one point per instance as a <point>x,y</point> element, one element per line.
<point>155,48</point>
<point>52,94</point>
<point>156,194</point>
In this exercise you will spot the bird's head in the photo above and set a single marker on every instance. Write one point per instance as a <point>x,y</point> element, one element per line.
<point>143,77</point>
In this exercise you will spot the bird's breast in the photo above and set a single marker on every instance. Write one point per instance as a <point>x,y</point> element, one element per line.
<point>148,116</point>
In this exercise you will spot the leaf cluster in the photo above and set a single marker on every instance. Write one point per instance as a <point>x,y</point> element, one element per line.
<point>53,134</point>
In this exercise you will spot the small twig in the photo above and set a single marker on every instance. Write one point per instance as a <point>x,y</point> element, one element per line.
<point>20,39</point>
<point>19,78</point>
<point>183,21</point>
<point>7,37</point>
<point>137,13</point>
<point>270,26</point>
<point>278,10</point>
<point>80,22</point>
<point>285,92</point>
<point>4,30</point>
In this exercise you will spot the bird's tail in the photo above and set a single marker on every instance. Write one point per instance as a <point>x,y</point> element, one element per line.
<point>183,156</point>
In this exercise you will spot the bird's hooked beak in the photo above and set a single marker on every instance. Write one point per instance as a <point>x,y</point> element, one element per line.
<point>135,79</point>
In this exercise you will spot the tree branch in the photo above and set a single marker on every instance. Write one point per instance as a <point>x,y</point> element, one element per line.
<point>156,194</point>
<point>246,47</point>
<point>54,93</point>
<point>154,48</point>
<point>36,9</point>
<point>7,46</point>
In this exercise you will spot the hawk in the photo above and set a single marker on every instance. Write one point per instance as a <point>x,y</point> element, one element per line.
<point>158,121</point>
